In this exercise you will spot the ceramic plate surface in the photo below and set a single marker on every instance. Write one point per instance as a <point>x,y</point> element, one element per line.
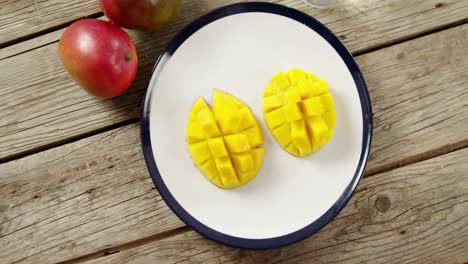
<point>237,49</point>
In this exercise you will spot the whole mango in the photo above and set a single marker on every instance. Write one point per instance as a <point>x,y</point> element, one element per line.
<point>99,56</point>
<point>141,14</point>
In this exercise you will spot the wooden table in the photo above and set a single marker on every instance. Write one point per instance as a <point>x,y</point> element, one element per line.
<point>74,187</point>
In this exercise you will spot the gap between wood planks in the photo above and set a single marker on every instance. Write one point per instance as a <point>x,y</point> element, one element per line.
<point>140,242</point>
<point>45,31</point>
<point>68,140</point>
<point>37,149</point>
<point>100,14</point>
<point>129,245</point>
<point>413,159</point>
<point>411,37</point>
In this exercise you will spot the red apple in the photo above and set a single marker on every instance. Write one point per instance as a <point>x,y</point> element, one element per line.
<point>141,14</point>
<point>99,56</point>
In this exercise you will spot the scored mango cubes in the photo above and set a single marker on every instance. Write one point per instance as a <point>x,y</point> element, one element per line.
<point>224,142</point>
<point>299,111</point>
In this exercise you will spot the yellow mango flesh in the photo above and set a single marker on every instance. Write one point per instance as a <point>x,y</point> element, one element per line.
<point>224,142</point>
<point>299,111</point>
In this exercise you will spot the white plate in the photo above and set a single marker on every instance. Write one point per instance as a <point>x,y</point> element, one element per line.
<point>237,49</point>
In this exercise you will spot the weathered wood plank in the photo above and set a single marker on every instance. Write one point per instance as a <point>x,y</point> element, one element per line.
<point>95,193</point>
<point>415,214</point>
<point>30,44</point>
<point>419,93</point>
<point>418,90</point>
<point>78,198</point>
<point>49,108</point>
<point>22,18</point>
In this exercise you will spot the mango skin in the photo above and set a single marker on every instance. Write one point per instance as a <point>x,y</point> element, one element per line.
<point>99,56</point>
<point>142,14</point>
<point>299,111</point>
<point>224,142</point>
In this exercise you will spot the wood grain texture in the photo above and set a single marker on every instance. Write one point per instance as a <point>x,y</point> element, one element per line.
<point>96,194</point>
<point>31,44</point>
<point>23,18</point>
<point>77,185</point>
<point>415,214</point>
<point>79,198</point>
<point>50,109</point>
<point>419,93</point>
<point>418,90</point>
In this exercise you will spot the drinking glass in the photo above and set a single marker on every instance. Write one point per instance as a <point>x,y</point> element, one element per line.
<point>320,3</point>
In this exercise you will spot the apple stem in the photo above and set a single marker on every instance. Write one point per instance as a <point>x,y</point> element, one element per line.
<point>128,56</point>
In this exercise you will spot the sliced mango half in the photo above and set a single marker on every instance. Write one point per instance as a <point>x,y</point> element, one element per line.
<point>299,111</point>
<point>224,142</point>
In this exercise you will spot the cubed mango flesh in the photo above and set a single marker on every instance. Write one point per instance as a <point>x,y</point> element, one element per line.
<point>225,142</point>
<point>299,111</point>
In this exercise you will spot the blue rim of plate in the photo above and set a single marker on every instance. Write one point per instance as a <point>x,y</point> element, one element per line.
<point>366,136</point>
